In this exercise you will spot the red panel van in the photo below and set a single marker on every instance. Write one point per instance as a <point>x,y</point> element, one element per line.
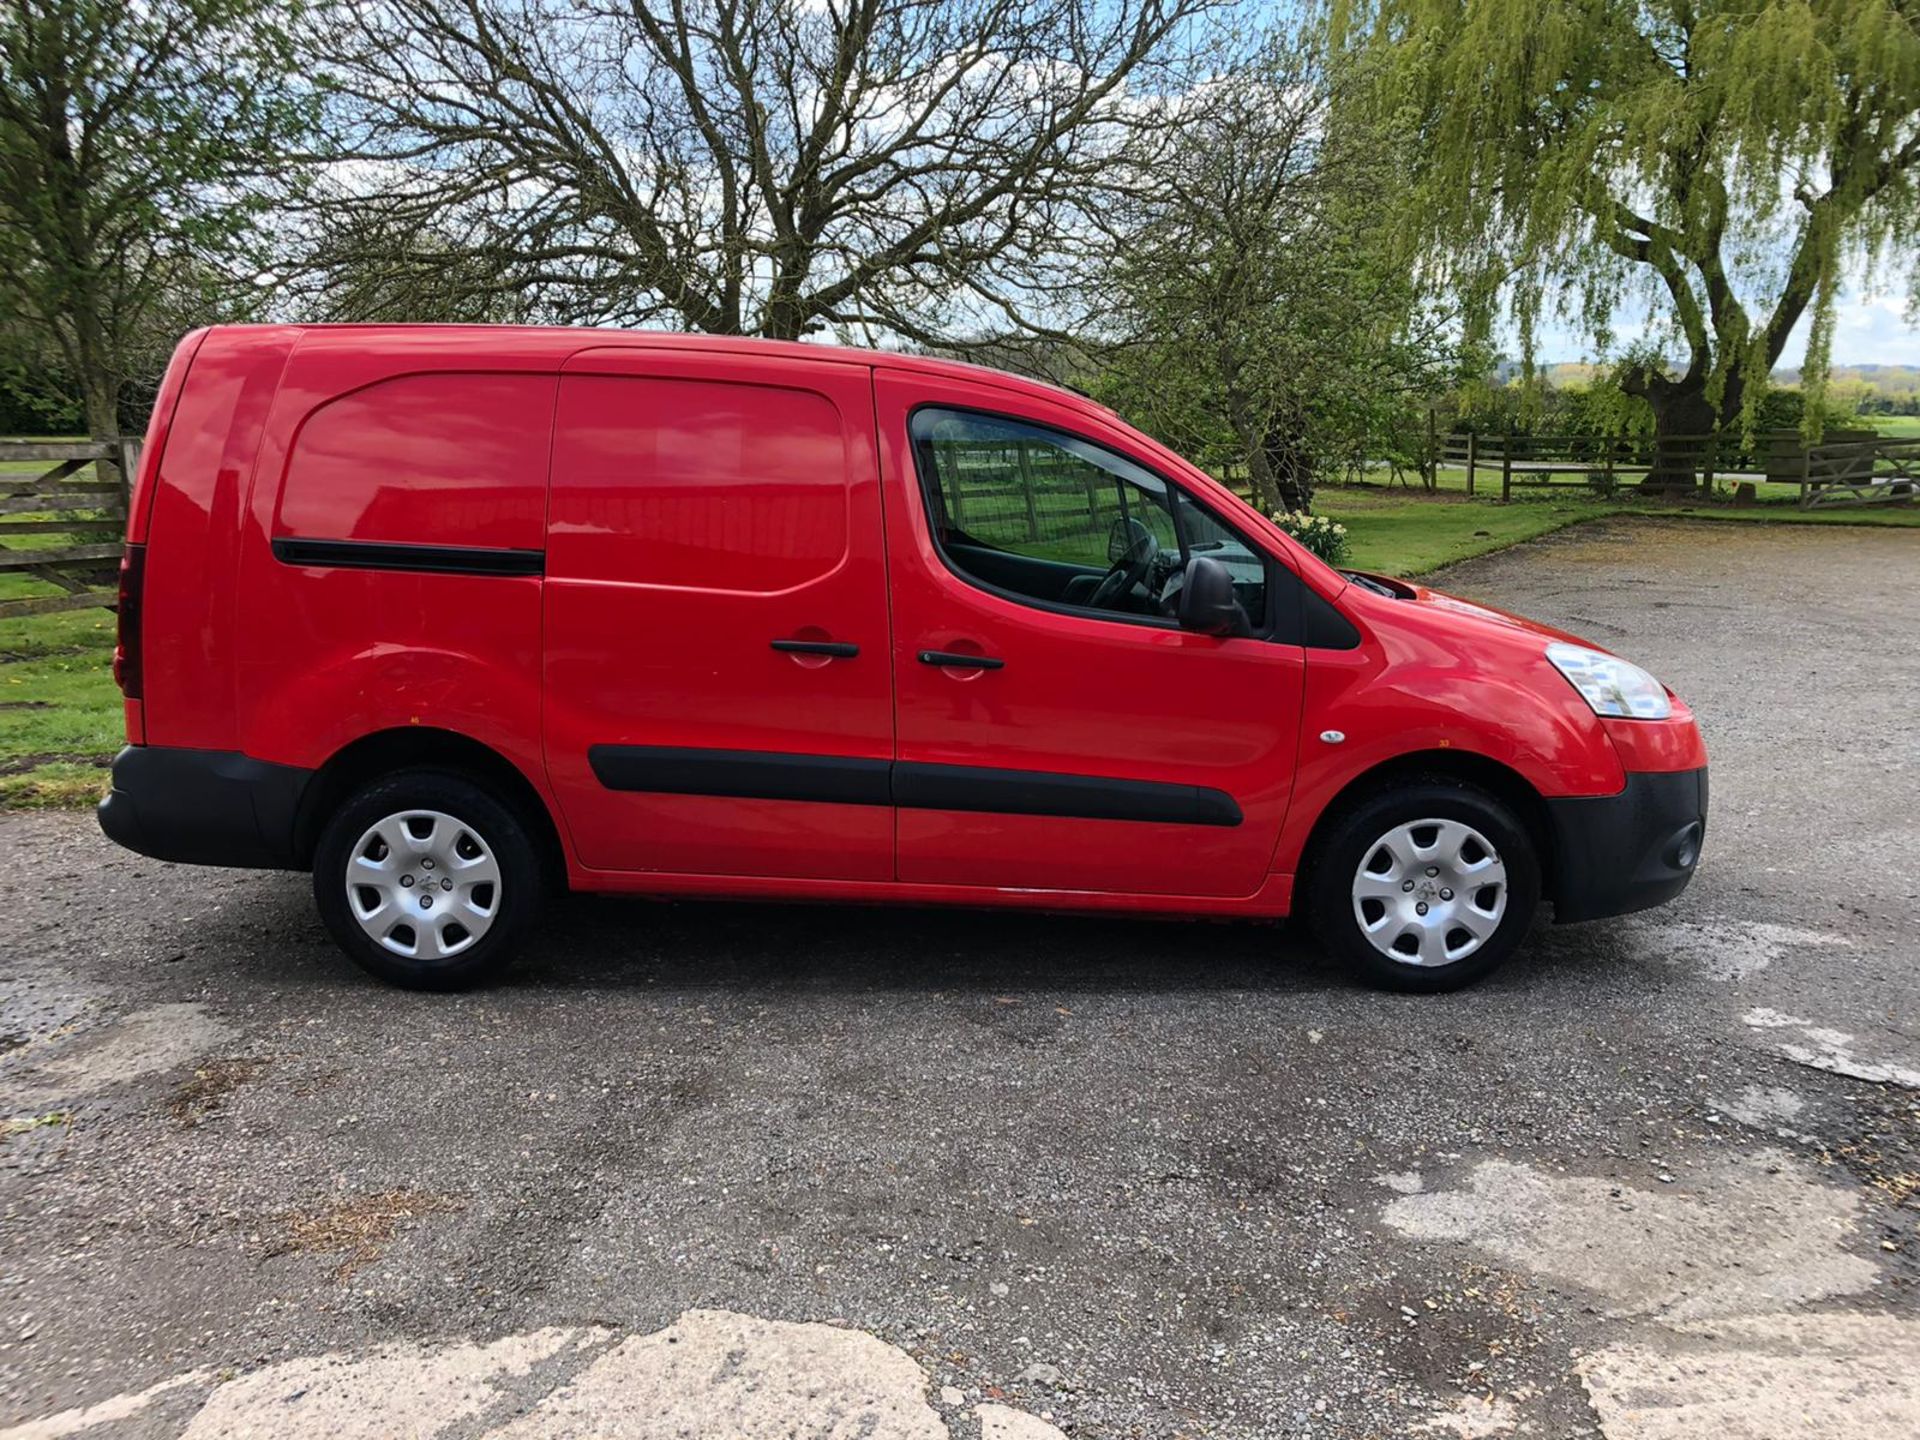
<point>456,618</point>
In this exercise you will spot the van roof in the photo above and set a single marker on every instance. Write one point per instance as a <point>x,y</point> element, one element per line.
<point>537,343</point>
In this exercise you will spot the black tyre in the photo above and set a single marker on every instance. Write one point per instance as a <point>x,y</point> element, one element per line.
<point>1426,886</point>
<point>427,879</point>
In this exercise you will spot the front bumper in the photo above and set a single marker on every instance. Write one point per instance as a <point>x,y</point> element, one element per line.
<point>204,807</point>
<point>1618,853</point>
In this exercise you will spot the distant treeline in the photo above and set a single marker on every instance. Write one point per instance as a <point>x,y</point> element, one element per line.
<point>1851,390</point>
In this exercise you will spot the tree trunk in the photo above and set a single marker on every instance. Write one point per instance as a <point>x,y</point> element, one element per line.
<point>1266,492</point>
<point>1682,417</point>
<point>1296,486</point>
<point>1291,467</point>
<point>102,399</point>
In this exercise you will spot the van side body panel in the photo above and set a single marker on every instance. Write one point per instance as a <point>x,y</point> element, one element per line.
<point>388,448</point>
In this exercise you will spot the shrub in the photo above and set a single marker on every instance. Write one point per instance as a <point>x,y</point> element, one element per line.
<point>1318,533</point>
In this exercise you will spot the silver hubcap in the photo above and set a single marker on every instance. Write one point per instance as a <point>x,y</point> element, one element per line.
<point>423,884</point>
<point>1430,892</point>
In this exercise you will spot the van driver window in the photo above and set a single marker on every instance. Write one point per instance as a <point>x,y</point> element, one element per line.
<point>1047,516</point>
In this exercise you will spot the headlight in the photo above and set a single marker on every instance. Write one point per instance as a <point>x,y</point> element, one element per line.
<point>1610,685</point>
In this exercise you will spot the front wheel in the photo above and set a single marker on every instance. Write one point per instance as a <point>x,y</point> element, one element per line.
<point>1425,887</point>
<point>427,880</point>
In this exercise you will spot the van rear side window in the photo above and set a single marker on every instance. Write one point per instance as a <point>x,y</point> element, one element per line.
<point>696,484</point>
<point>443,460</point>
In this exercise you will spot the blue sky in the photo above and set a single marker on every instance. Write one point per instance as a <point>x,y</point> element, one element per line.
<point>1869,330</point>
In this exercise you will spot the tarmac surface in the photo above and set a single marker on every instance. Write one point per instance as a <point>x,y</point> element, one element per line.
<point>728,1170</point>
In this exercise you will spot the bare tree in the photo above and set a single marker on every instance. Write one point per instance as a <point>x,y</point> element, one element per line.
<point>361,262</point>
<point>756,166</point>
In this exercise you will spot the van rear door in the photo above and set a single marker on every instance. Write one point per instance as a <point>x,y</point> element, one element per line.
<point>717,691</point>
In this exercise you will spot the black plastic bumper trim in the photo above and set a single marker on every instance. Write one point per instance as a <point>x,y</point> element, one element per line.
<point>1619,853</point>
<point>419,559</point>
<point>840,780</point>
<point>204,807</point>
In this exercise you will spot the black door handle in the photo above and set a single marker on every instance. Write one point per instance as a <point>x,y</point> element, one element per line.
<point>838,649</point>
<point>954,661</point>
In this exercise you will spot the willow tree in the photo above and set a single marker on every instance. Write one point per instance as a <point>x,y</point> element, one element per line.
<point>1727,161</point>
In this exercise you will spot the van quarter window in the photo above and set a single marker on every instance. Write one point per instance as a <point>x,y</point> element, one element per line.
<point>696,484</point>
<point>429,460</point>
<point>1053,518</point>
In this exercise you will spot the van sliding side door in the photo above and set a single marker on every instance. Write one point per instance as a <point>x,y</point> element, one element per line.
<point>718,699</point>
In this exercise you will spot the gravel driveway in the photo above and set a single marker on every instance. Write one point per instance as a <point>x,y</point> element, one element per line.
<point>705,1169</point>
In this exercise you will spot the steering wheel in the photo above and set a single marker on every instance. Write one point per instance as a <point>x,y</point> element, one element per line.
<point>1131,547</point>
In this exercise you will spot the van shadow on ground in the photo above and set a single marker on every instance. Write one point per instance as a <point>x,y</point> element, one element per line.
<point>586,942</point>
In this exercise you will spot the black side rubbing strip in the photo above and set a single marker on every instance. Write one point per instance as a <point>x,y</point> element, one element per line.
<point>1038,792</point>
<point>425,559</point>
<point>744,774</point>
<point>755,775</point>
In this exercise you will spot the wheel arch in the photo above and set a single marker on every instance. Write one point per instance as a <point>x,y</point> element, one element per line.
<point>1501,781</point>
<point>424,747</point>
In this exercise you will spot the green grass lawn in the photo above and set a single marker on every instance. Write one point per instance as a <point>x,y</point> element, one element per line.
<point>1398,534</point>
<point>60,717</point>
<point>1407,532</point>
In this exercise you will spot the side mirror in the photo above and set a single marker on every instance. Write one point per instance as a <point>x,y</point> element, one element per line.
<point>1207,605</point>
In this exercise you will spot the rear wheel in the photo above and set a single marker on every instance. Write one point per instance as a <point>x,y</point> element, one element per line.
<point>427,880</point>
<point>1427,886</point>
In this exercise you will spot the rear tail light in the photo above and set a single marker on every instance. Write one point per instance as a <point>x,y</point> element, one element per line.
<point>126,650</point>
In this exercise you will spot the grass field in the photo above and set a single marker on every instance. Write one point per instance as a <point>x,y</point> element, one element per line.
<point>59,711</point>
<point>1398,532</point>
<point>60,715</point>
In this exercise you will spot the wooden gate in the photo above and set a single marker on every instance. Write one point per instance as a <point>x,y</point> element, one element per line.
<point>63,524</point>
<point>1859,472</point>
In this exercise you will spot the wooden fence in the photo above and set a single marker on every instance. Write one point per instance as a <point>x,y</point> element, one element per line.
<point>64,524</point>
<point>1847,468</point>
